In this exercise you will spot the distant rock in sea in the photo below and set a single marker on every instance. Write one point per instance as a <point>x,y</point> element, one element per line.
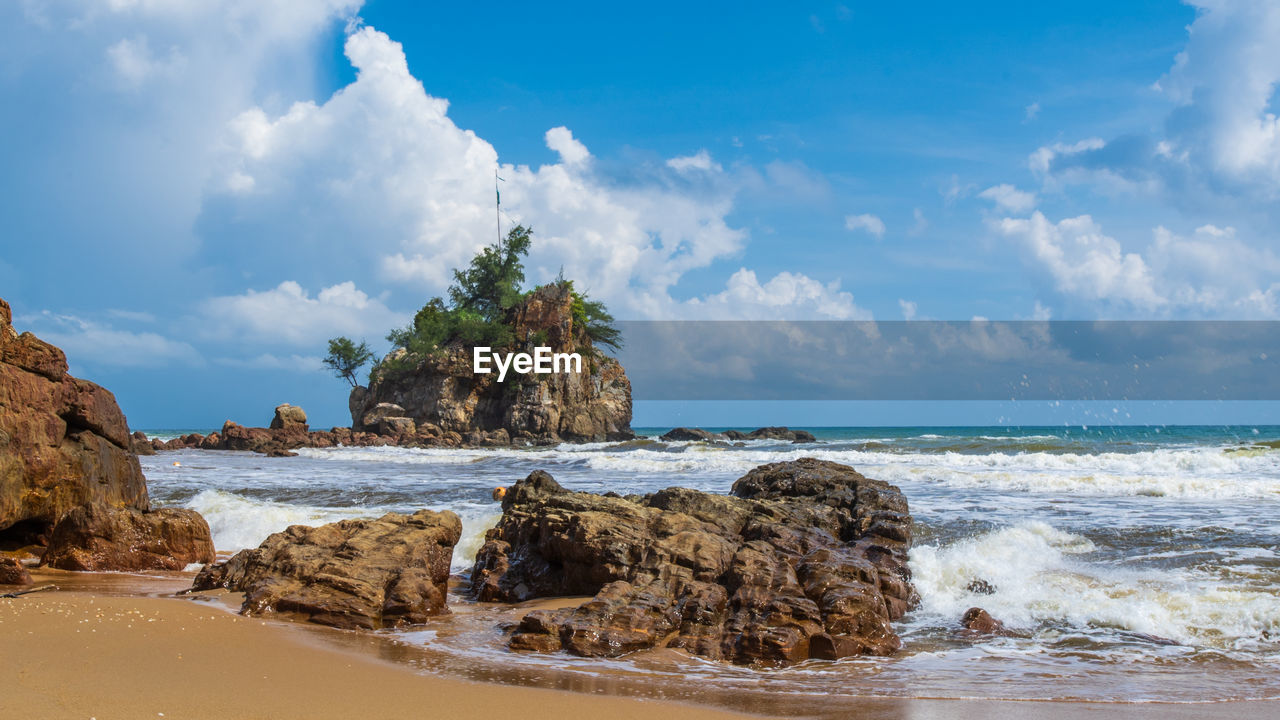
<point>63,441</point>
<point>442,395</point>
<point>807,559</point>
<point>684,434</point>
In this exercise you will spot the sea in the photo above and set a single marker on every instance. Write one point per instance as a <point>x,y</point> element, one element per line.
<point>1130,564</point>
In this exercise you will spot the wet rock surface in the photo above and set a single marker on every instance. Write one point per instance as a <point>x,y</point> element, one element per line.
<point>366,573</point>
<point>806,559</point>
<point>13,572</point>
<point>97,538</point>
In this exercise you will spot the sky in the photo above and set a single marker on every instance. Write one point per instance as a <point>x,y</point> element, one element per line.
<point>196,196</point>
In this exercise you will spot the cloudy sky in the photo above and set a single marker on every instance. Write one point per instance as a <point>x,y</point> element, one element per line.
<point>197,195</point>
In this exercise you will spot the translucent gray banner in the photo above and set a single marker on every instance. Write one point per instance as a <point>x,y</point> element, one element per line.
<point>965,360</point>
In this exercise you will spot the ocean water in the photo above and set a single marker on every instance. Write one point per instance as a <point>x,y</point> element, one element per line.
<point>1132,564</point>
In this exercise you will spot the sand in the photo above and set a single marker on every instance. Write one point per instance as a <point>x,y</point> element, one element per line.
<point>89,655</point>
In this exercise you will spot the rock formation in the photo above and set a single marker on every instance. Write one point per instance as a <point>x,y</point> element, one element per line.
<point>13,572</point>
<point>288,417</point>
<point>807,559</point>
<point>980,622</point>
<point>94,538</point>
<point>351,574</point>
<point>63,441</point>
<point>441,394</point>
<point>684,434</point>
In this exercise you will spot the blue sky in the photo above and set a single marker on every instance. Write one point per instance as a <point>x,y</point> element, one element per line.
<point>197,196</point>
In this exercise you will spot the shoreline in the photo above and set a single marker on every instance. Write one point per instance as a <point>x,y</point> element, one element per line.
<point>187,658</point>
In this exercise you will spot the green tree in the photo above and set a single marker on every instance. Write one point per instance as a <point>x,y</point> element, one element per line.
<point>491,284</point>
<point>345,358</point>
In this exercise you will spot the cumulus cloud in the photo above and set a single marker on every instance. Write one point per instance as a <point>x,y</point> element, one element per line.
<point>866,223</point>
<point>1009,198</point>
<point>786,296</point>
<point>1209,273</point>
<point>288,315</point>
<point>382,161</point>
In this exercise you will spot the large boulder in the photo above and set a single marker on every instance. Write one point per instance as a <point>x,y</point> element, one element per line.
<point>96,538</point>
<point>364,573</point>
<point>288,417</point>
<point>63,441</point>
<point>807,559</point>
<point>442,390</point>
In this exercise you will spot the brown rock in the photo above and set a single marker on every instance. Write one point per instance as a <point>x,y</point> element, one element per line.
<point>807,559</point>
<point>289,416</point>
<point>683,434</point>
<point>351,574</point>
<point>13,572</point>
<point>140,445</point>
<point>95,538</point>
<point>443,390</point>
<point>980,621</point>
<point>63,441</point>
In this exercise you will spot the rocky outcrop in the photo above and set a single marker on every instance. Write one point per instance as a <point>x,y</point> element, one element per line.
<point>289,417</point>
<point>367,574</point>
<point>684,434</point>
<point>63,441</point>
<point>807,559</point>
<point>13,572</point>
<point>140,444</point>
<point>773,433</point>
<point>96,538</point>
<point>442,394</point>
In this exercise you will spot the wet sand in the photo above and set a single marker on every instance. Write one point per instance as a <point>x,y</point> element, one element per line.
<point>96,652</point>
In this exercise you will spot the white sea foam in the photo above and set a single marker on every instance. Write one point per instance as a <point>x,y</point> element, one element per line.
<point>1043,578</point>
<point>238,522</point>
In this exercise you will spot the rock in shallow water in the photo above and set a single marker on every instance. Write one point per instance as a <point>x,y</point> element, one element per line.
<point>351,574</point>
<point>807,559</point>
<point>13,572</point>
<point>96,538</point>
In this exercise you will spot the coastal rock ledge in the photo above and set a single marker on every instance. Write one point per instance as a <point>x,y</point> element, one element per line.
<point>806,559</point>
<point>63,441</point>
<point>365,573</point>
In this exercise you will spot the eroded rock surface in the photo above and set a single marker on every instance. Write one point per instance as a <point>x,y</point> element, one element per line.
<point>96,538</point>
<point>367,573</point>
<point>63,441</point>
<point>13,572</point>
<point>806,559</point>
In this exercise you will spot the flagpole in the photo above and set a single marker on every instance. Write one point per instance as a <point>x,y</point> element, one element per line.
<point>497,207</point>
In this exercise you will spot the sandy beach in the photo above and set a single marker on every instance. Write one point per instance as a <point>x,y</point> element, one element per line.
<point>85,653</point>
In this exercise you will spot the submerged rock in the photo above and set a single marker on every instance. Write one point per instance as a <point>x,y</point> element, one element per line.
<point>980,621</point>
<point>63,441</point>
<point>362,573</point>
<point>806,559</point>
<point>773,433</point>
<point>96,538</point>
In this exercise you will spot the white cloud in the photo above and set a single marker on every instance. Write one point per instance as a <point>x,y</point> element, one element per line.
<point>1032,111</point>
<point>866,223</point>
<point>786,296</point>
<point>288,315</point>
<point>384,161</point>
<point>90,343</point>
<point>134,62</point>
<point>908,309</point>
<point>268,361</point>
<point>1009,198</point>
<point>700,161</point>
<point>1207,274</point>
<point>920,224</point>
<point>1042,159</point>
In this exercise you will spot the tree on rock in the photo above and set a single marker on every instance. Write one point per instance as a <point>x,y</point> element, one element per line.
<point>346,358</point>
